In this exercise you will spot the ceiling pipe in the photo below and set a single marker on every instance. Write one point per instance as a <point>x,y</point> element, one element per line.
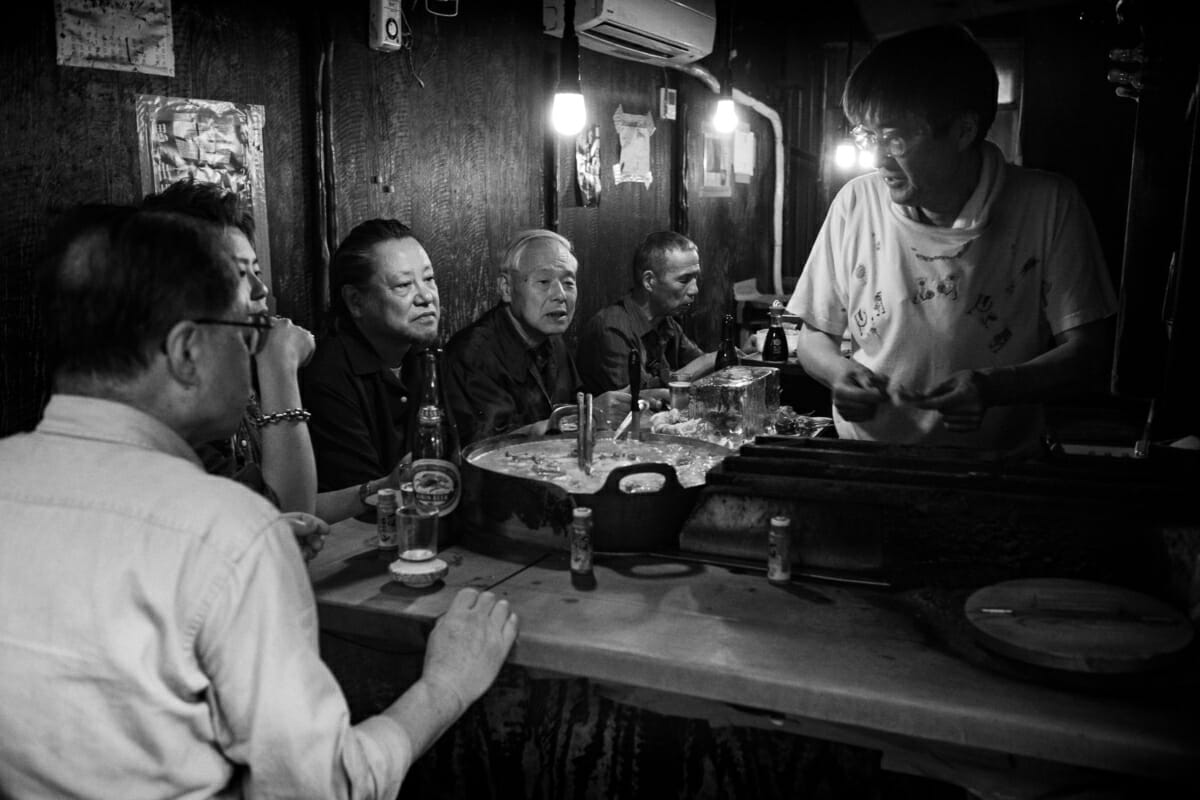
<point>710,80</point>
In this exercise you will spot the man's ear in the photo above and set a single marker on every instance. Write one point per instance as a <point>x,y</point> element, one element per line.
<point>504,286</point>
<point>649,279</point>
<point>352,297</point>
<point>967,128</point>
<point>183,346</point>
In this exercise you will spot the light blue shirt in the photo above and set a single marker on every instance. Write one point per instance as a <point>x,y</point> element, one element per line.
<point>158,634</point>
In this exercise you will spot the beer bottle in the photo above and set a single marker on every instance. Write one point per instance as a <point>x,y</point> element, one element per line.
<point>436,457</point>
<point>726,352</point>
<point>775,346</point>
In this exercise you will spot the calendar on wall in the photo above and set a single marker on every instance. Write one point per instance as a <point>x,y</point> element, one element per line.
<point>128,35</point>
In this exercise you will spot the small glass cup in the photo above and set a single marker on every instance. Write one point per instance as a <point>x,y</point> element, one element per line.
<point>680,396</point>
<point>416,526</point>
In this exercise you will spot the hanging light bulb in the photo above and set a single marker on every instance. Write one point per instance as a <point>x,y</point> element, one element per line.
<point>725,118</point>
<point>845,155</point>
<point>568,115</point>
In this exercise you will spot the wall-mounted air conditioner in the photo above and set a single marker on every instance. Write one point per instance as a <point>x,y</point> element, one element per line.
<point>650,31</point>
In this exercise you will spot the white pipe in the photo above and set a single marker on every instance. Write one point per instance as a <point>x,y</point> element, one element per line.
<point>710,80</point>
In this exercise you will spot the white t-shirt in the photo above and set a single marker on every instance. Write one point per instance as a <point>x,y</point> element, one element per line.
<point>920,302</point>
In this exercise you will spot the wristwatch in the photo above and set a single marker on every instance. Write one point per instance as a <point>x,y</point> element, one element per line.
<point>364,491</point>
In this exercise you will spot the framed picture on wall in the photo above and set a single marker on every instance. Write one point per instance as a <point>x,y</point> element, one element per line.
<point>212,141</point>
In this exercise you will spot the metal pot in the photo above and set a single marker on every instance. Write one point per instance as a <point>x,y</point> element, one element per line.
<point>528,509</point>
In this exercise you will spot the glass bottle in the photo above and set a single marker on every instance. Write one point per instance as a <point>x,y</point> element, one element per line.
<point>436,480</point>
<point>726,352</point>
<point>775,346</point>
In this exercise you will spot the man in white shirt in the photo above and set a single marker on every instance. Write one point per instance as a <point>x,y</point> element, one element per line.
<point>970,290</point>
<point>158,633</point>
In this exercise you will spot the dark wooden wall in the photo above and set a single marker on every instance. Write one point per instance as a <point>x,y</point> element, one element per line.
<point>451,141</point>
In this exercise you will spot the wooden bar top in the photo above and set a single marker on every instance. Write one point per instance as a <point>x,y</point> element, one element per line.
<point>830,655</point>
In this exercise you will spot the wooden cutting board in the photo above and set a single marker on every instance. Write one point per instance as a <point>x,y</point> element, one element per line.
<point>1077,625</point>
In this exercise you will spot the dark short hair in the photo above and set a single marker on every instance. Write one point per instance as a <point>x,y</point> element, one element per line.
<point>115,280</point>
<point>935,73</point>
<point>353,263</point>
<point>206,201</point>
<point>651,254</point>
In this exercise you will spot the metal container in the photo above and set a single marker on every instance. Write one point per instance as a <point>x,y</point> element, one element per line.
<point>497,503</point>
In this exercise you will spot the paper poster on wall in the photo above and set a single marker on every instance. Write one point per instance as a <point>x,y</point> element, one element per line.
<point>587,167</point>
<point>128,35</point>
<point>633,134</point>
<point>718,165</point>
<point>211,140</point>
<point>743,153</point>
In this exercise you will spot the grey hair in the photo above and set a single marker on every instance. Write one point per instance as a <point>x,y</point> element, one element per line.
<point>510,264</point>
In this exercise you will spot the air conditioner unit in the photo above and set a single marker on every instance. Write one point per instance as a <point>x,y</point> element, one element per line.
<point>650,31</point>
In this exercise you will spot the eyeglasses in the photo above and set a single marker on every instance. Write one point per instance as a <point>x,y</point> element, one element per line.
<point>260,323</point>
<point>891,143</point>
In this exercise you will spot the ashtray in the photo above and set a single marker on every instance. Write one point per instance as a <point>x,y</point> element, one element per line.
<point>418,574</point>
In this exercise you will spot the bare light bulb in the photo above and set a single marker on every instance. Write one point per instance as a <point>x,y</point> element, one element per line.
<point>568,114</point>
<point>845,156</point>
<point>725,118</point>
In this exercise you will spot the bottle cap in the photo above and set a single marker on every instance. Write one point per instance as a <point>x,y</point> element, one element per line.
<point>582,514</point>
<point>780,521</point>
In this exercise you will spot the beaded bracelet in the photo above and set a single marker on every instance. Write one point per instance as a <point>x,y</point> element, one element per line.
<point>293,414</point>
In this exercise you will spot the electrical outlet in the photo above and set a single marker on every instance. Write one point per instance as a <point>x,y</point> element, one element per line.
<point>666,103</point>
<point>385,25</point>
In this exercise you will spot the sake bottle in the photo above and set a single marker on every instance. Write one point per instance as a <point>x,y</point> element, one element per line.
<point>726,352</point>
<point>775,346</point>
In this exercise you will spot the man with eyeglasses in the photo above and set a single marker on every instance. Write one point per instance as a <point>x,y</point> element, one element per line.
<point>160,634</point>
<point>966,290</point>
<point>666,282</point>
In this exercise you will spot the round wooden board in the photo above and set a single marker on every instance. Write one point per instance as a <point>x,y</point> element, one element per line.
<point>1077,625</point>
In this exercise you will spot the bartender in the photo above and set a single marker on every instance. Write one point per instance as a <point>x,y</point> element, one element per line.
<point>969,290</point>
<point>510,368</point>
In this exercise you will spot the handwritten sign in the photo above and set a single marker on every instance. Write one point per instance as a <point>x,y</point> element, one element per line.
<point>128,35</point>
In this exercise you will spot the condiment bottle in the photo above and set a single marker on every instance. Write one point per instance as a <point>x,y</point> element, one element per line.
<point>581,541</point>
<point>779,550</point>
<point>436,457</point>
<point>385,520</point>
<point>726,351</point>
<point>775,346</point>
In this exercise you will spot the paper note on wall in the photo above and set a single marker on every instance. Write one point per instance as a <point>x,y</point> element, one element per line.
<point>743,154</point>
<point>587,167</point>
<point>633,133</point>
<point>128,35</point>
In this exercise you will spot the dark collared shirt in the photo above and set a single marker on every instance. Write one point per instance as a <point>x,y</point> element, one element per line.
<point>361,411</point>
<point>607,338</point>
<point>496,380</point>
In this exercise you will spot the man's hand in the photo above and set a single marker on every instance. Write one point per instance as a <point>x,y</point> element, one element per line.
<point>960,400</point>
<point>469,645</point>
<point>288,346</point>
<point>310,532</point>
<point>857,392</point>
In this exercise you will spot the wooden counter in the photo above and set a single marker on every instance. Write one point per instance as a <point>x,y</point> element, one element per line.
<point>840,663</point>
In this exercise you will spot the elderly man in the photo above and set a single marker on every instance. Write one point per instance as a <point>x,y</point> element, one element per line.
<point>666,274</point>
<point>511,367</point>
<point>175,654</point>
<point>363,384</point>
